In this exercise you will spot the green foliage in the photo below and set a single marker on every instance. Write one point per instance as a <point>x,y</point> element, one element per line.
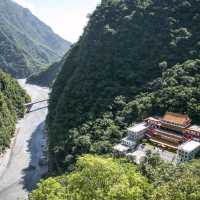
<point>12,100</point>
<point>124,68</point>
<point>26,44</point>
<point>49,189</point>
<point>47,77</point>
<point>177,91</point>
<point>171,182</point>
<point>96,178</point>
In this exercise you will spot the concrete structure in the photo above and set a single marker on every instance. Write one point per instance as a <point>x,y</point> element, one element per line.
<point>128,143</point>
<point>120,150</point>
<point>137,132</point>
<point>137,156</point>
<point>187,151</point>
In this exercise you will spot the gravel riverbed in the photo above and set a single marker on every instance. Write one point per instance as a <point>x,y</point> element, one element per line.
<point>20,167</point>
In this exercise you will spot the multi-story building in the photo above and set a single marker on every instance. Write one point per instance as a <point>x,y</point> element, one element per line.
<point>138,131</point>
<point>172,131</point>
<point>187,151</point>
<point>166,139</point>
<point>168,131</point>
<point>135,134</point>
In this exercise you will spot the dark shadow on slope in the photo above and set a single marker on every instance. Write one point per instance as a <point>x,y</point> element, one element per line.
<point>34,172</point>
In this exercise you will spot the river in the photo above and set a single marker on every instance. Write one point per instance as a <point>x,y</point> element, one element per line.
<point>19,166</point>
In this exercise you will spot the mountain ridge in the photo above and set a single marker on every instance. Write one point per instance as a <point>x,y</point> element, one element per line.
<point>27,44</point>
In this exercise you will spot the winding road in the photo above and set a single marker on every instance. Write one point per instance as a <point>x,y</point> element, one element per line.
<point>19,166</point>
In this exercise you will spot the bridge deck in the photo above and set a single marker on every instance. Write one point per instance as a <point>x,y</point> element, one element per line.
<point>32,103</point>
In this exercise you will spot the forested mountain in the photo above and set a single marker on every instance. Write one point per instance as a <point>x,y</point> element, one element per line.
<point>47,77</point>
<point>12,100</point>
<point>135,58</point>
<point>27,45</point>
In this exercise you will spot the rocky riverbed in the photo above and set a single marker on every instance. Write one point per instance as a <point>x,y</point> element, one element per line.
<point>23,164</point>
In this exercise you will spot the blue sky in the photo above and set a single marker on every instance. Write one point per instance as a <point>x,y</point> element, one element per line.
<point>66,17</point>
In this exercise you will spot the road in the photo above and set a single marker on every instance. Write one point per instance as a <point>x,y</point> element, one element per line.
<point>19,166</point>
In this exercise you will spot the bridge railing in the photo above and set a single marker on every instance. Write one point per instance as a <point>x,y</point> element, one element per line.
<point>32,103</point>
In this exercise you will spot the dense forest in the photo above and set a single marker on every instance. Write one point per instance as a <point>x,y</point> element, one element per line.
<point>12,100</point>
<point>27,45</point>
<point>101,178</point>
<point>134,59</point>
<point>47,77</point>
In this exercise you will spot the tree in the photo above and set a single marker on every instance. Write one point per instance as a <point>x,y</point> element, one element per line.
<point>49,189</point>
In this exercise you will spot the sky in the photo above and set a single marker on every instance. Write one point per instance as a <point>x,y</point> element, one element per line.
<point>66,17</point>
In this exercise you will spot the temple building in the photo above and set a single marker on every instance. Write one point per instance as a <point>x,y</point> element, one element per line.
<point>166,139</point>
<point>192,132</point>
<point>176,122</point>
<point>172,132</point>
<point>168,132</point>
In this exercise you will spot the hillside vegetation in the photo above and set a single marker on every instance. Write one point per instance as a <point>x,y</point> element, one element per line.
<point>100,178</point>
<point>27,45</point>
<point>108,179</point>
<point>12,100</point>
<point>134,59</point>
<point>47,77</point>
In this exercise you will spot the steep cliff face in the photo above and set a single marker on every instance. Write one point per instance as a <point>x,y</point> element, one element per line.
<point>26,44</point>
<point>126,45</point>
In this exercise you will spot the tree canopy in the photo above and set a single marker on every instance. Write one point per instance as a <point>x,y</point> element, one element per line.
<point>101,178</point>
<point>96,178</point>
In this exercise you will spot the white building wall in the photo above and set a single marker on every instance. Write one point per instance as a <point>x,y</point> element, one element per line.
<point>183,156</point>
<point>137,135</point>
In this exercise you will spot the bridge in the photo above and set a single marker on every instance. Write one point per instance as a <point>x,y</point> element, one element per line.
<point>30,105</point>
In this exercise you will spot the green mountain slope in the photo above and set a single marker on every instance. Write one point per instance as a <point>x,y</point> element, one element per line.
<point>12,100</point>
<point>47,77</point>
<point>126,46</point>
<point>26,44</point>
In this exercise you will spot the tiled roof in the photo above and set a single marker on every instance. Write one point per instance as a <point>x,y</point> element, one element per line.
<point>176,118</point>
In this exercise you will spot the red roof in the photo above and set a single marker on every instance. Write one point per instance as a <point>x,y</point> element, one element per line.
<point>176,118</point>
